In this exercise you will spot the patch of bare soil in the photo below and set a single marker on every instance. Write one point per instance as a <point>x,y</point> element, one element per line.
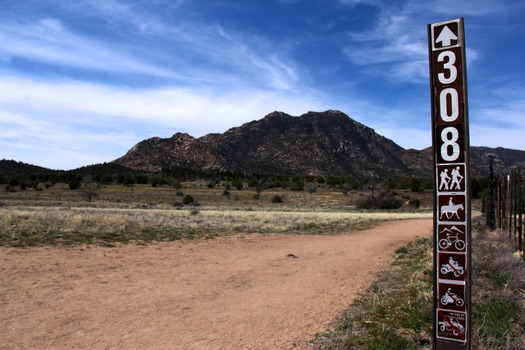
<point>236,292</point>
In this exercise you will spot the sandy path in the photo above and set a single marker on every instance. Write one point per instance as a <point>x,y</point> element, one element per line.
<point>237,292</point>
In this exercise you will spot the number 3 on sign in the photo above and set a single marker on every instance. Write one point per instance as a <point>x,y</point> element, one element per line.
<point>449,65</point>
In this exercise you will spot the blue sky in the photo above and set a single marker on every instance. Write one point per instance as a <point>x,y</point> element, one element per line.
<point>83,81</point>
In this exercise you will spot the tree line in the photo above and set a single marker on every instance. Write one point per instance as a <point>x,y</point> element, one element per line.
<point>109,173</point>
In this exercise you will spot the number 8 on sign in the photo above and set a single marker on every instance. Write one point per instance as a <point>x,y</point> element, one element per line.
<point>450,136</point>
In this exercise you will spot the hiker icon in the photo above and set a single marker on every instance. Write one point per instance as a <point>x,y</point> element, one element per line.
<point>456,179</point>
<point>451,178</point>
<point>444,180</point>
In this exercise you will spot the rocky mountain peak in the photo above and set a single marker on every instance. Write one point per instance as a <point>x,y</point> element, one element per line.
<point>326,143</point>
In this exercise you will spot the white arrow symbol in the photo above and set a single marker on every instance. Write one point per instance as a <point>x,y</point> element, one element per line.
<point>446,36</point>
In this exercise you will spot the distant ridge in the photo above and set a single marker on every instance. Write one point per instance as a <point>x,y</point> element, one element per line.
<point>326,143</point>
<point>12,168</point>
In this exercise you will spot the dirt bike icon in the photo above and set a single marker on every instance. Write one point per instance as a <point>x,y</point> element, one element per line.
<point>452,266</point>
<point>445,243</point>
<point>451,298</point>
<point>452,325</point>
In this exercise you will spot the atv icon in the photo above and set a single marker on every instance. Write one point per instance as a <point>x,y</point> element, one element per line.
<point>452,266</point>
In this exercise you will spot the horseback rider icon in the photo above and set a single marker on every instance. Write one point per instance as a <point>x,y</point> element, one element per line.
<point>450,210</point>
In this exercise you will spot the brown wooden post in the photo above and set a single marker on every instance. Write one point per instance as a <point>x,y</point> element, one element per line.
<point>450,140</point>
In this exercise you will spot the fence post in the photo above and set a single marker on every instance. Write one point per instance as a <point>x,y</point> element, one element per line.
<point>520,211</point>
<point>490,218</point>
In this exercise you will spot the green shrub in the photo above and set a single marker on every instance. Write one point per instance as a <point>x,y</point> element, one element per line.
<point>390,203</point>
<point>14,182</point>
<point>297,185</point>
<point>384,202</point>
<point>188,199</point>
<point>237,184</point>
<point>253,183</point>
<point>75,184</point>
<point>414,203</point>
<point>365,203</point>
<point>277,199</point>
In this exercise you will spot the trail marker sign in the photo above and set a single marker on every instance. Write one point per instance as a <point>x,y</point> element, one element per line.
<point>450,140</point>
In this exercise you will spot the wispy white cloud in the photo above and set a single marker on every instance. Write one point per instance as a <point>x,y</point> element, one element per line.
<point>496,115</point>
<point>48,41</point>
<point>56,144</point>
<point>396,46</point>
<point>170,106</point>
<point>264,59</point>
<point>501,108</point>
<point>183,52</point>
<point>392,46</point>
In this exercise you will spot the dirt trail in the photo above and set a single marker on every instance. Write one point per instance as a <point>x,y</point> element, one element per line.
<point>236,292</point>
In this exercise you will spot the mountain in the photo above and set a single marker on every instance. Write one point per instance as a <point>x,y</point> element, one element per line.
<point>12,168</point>
<point>316,143</point>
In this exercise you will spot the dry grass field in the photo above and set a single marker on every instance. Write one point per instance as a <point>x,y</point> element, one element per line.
<point>143,213</point>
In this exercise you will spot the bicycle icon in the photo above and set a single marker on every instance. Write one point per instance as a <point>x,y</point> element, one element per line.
<point>452,238</point>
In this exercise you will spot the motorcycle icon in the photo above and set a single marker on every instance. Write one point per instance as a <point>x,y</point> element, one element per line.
<point>452,266</point>
<point>451,298</point>
<point>452,325</point>
<point>450,240</point>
